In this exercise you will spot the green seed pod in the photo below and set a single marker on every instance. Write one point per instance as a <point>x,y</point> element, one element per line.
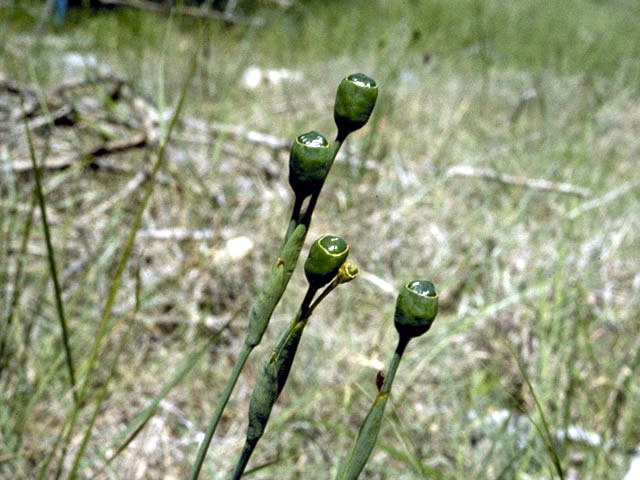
<point>355,100</point>
<point>309,163</point>
<point>416,308</point>
<point>326,256</point>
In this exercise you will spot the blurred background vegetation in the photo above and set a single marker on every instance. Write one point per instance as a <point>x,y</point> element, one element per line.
<point>501,161</point>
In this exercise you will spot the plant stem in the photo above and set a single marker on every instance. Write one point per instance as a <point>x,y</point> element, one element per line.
<point>222,403</point>
<point>103,392</point>
<point>247,450</point>
<point>334,283</point>
<point>395,362</point>
<point>274,374</point>
<point>141,419</point>
<point>51,257</point>
<point>333,153</point>
<point>126,253</point>
<point>295,218</point>
<point>267,300</point>
<point>366,439</point>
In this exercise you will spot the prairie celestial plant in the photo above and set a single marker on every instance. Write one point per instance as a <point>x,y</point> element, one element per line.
<point>310,161</point>
<point>416,309</point>
<point>325,265</point>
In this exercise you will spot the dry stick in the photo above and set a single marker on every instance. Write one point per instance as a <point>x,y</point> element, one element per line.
<point>604,199</point>
<point>117,279</point>
<point>59,163</point>
<point>51,258</point>
<point>506,179</point>
<point>81,82</point>
<point>42,121</point>
<point>177,234</point>
<point>186,11</point>
<point>236,131</point>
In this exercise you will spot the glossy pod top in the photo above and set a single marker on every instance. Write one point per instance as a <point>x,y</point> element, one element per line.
<point>309,163</point>
<point>416,308</point>
<point>326,256</point>
<point>355,100</point>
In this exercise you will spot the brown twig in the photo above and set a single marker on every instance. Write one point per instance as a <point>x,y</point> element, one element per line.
<point>107,148</point>
<point>187,11</point>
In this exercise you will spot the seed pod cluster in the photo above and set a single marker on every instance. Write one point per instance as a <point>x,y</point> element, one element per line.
<point>310,160</point>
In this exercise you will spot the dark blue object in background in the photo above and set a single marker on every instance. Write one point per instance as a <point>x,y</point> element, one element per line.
<point>61,11</point>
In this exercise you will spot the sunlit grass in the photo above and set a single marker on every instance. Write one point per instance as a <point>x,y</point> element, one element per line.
<point>512,268</point>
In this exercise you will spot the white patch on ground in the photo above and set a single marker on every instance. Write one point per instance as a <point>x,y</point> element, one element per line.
<point>634,468</point>
<point>255,76</point>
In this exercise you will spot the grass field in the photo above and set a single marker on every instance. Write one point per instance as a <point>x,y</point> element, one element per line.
<point>501,161</point>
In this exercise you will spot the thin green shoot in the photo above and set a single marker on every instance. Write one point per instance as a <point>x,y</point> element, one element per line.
<point>128,247</point>
<point>141,419</point>
<point>545,432</point>
<point>51,257</point>
<point>17,281</point>
<point>103,392</point>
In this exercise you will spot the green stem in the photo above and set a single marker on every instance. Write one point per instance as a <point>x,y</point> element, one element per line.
<point>274,374</point>
<point>333,153</point>
<point>366,439</point>
<point>222,403</point>
<point>44,467</point>
<point>247,450</point>
<point>395,361</point>
<point>103,393</point>
<point>305,306</point>
<point>268,298</point>
<point>51,258</point>
<point>295,218</point>
<point>334,283</point>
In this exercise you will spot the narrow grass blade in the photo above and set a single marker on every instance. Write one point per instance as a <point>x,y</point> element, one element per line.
<point>141,419</point>
<point>126,253</point>
<point>17,281</point>
<point>51,257</point>
<point>425,471</point>
<point>545,432</point>
<point>103,392</point>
